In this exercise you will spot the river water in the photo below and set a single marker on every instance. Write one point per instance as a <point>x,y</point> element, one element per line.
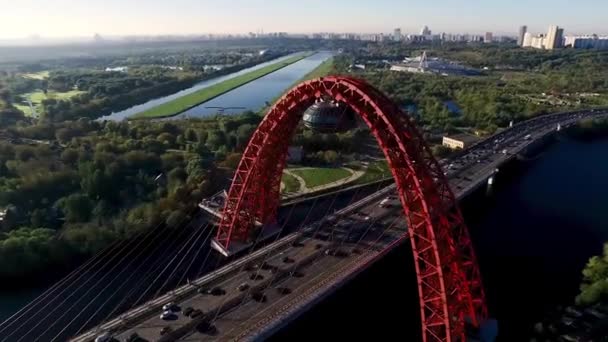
<point>252,96</point>
<point>533,233</point>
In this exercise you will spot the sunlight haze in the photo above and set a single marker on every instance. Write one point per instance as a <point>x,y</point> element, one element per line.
<point>74,18</point>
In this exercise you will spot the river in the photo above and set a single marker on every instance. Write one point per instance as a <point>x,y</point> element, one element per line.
<point>252,96</point>
<point>533,233</point>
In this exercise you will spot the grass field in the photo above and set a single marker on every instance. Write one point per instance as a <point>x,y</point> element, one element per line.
<point>320,176</point>
<point>376,171</point>
<point>291,184</point>
<point>37,75</point>
<point>186,102</point>
<point>37,97</point>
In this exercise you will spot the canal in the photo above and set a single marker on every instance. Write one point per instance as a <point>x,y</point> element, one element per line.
<point>252,96</point>
<point>533,232</point>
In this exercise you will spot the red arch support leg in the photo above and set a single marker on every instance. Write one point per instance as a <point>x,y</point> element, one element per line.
<point>449,283</point>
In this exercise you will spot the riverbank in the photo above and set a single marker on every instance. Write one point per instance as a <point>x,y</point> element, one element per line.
<point>184,103</point>
<point>590,129</point>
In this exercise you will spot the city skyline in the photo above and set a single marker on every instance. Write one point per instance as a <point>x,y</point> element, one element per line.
<point>72,18</point>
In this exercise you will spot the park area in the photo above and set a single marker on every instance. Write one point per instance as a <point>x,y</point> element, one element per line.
<point>36,98</point>
<point>315,177</point>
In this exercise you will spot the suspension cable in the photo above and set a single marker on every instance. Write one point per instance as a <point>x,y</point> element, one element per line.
<point>128,254</point>
<point>106,287</point>
<point>107,262</point>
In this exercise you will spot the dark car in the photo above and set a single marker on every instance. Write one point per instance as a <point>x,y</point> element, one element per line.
<point>196,313</point>
<point>188,311</point>
<point>134,337</point>
<point>165,331</point>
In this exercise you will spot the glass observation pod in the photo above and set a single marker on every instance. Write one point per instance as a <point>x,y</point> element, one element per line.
<point>329,116</point>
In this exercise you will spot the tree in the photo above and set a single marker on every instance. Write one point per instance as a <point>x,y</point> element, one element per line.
<point>65,134</point>
<point>330,157</point>
<point>25,153</point>
<point>595,280</point>
<point>441,151</point>
<point>41,217</point>
<point>177,175</point>
<point>190,135</point>
<point>243,134</point>
<point>175,219</point>
<point>76,208</point>
<point>195,167</point>
<point>232,160</point>
<point>216,139</point>
<point>166,138</point>
<point>70,156</point>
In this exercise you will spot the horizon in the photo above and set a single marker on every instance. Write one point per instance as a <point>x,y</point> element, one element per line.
<point>72,19</point>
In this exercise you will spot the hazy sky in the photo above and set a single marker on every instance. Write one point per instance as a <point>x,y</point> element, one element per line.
<point>61,18</point>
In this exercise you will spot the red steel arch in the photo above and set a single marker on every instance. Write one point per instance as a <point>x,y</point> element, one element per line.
<point>449,283</point>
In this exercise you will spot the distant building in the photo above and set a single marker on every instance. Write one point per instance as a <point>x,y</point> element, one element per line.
<point>522,32</point>
<point>537,42</point>
<point>555,38</point>
<point>425,31</point>
<point>117,69</point>
<point>527,41</point>
<point>459,141</point>
<point>587,42</point>
<point>488,38</point>
<point>397,35</point>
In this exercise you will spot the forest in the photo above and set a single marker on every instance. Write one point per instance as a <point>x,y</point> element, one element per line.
<point>515,83</point>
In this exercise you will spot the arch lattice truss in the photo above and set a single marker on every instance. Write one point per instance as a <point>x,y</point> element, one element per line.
<point>449,285</point>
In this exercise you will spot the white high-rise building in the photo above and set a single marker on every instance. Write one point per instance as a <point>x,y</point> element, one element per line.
<point>397,35</point>
<point>488,38</point>
<point>522,32</point>
<point>527,40</point>
<point>425,31</point>
<point>555,38</point>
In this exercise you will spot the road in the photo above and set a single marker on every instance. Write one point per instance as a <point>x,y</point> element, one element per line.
<point>263,291</point>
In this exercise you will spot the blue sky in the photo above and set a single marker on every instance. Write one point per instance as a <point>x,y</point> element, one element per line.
<point>60,18</point>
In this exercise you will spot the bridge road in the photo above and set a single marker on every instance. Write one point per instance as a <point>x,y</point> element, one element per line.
<point>319,274</point>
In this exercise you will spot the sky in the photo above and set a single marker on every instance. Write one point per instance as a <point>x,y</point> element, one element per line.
<point>83,18</point>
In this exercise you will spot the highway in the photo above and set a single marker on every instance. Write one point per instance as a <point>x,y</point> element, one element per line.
<point>257,294</point>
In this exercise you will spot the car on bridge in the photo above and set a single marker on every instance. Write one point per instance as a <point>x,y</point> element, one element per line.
<point>105,337</point>
<point>168,315</point>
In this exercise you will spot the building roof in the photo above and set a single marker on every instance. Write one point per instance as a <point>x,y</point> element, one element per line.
<point>466,138</point>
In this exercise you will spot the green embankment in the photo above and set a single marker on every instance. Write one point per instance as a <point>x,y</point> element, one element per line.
<point>320,176</point>
<point>186,102</point>
<point>323,69</point>
<point>291,183</point>
<point>375,171</point>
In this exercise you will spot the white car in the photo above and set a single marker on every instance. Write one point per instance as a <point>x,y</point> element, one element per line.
<point>166,315</point>
<point>105,337</point>
<point>170,307</point>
